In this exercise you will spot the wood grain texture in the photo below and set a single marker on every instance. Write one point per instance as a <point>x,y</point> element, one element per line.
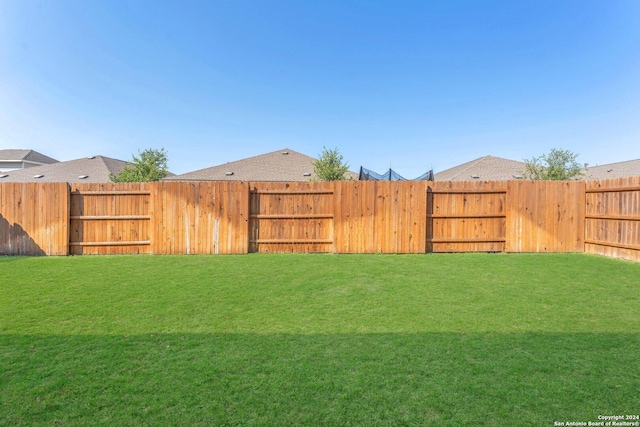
<point>291,217</point>
<point>34,219</point>
<point>109,219</point>
<point>200,217</point>
<point>380,216</point>
<point>545,216</point>
<point>466,216</point>
<point>601,217</point>
<point>612,218</point>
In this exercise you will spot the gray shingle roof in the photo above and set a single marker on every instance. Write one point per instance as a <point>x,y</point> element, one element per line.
<point>96,169</point>
<point>613,170</point>
<point>12,155</point>
<point>280,165</point>
<point>487,168</point>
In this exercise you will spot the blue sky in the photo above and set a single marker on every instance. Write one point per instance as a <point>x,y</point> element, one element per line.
<point>411,84</point>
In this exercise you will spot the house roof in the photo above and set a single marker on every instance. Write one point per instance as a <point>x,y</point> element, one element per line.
<point>487,168</point>
<point>96,169</point>
<point>280,165</point>
<point>612,170</point>
<point>12,155</point>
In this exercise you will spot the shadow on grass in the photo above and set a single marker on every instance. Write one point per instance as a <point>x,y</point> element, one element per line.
<point>369,379</point>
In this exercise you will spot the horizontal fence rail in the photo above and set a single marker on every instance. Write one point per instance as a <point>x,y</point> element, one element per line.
<point>612,218</point>
<point>466,217</point>
<point>108,219</point>
<point>291,217</point>
<point>234,217</point>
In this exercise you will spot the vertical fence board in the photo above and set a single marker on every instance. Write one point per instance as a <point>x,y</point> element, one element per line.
<point>207,217</point>
<point>292,217</point>
<point>34,219</point>
<point>545,216</point>
<point>109,219</point>
<point>601,217</point>
<point>466,216</point>
<point>380,216</point>
<point>612,218</point>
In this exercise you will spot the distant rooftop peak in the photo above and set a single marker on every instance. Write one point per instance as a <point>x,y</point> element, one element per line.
<point>26,155</point>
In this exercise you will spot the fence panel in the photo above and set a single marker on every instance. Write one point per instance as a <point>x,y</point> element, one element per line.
<point>34,218</point>
<point>291,217</point>
<point>109,219</point>
<point>466,216</point>
<point>380,216</point>
<point>545,216</point>
<point>612,218</point>
<point>205,217</point>
<point>601,217</point>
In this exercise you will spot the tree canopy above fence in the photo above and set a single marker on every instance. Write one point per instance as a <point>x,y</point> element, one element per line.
<point>150,165</point>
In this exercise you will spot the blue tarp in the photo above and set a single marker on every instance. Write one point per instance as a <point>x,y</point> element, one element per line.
<point>391,175</point>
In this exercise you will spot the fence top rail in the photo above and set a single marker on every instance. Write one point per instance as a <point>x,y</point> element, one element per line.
<point>613,189</point>
<point>467,191</point>
<point>292,241</point>
<point>613,217</point>
<point>113,243</point>
<point>281,192</point>
<point>469,240</point>
<point>111,193</point>
<point>291,216</point>
<point>109,217</point>
<point>463,215</point>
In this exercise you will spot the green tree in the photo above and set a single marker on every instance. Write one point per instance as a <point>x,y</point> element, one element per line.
<point>556,165</point>
<point>330,166</point>
<point>149,165</point>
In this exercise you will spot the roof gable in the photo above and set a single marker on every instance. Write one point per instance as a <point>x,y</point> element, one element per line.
<point>280,165</point>
<point>487,168</point>
<point>612,170</point>
<point>13,155</point>
<point>94,169</point>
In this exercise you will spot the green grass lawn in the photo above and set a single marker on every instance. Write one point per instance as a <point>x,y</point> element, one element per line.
<point>265,340</point>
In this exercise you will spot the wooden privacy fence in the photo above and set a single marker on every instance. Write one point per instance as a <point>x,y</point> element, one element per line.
<point>601,217</point>
<point>291,217</point>
<point>466,217</point>
<point>34,219</point>
<point>612,218</point>
<point>109,219</point>
<point>545,216</point>
<point>199,217</point>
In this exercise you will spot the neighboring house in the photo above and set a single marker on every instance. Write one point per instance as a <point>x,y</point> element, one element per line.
<point>94,169</point>
<point>487,168</point>
<point>22,159</point>
<point>490,168</point>
<point>282,165</point>
<point>612,170</point>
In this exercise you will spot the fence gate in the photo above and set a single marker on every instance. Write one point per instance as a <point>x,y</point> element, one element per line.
<point>291,217</point>
<point>109,219</point>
